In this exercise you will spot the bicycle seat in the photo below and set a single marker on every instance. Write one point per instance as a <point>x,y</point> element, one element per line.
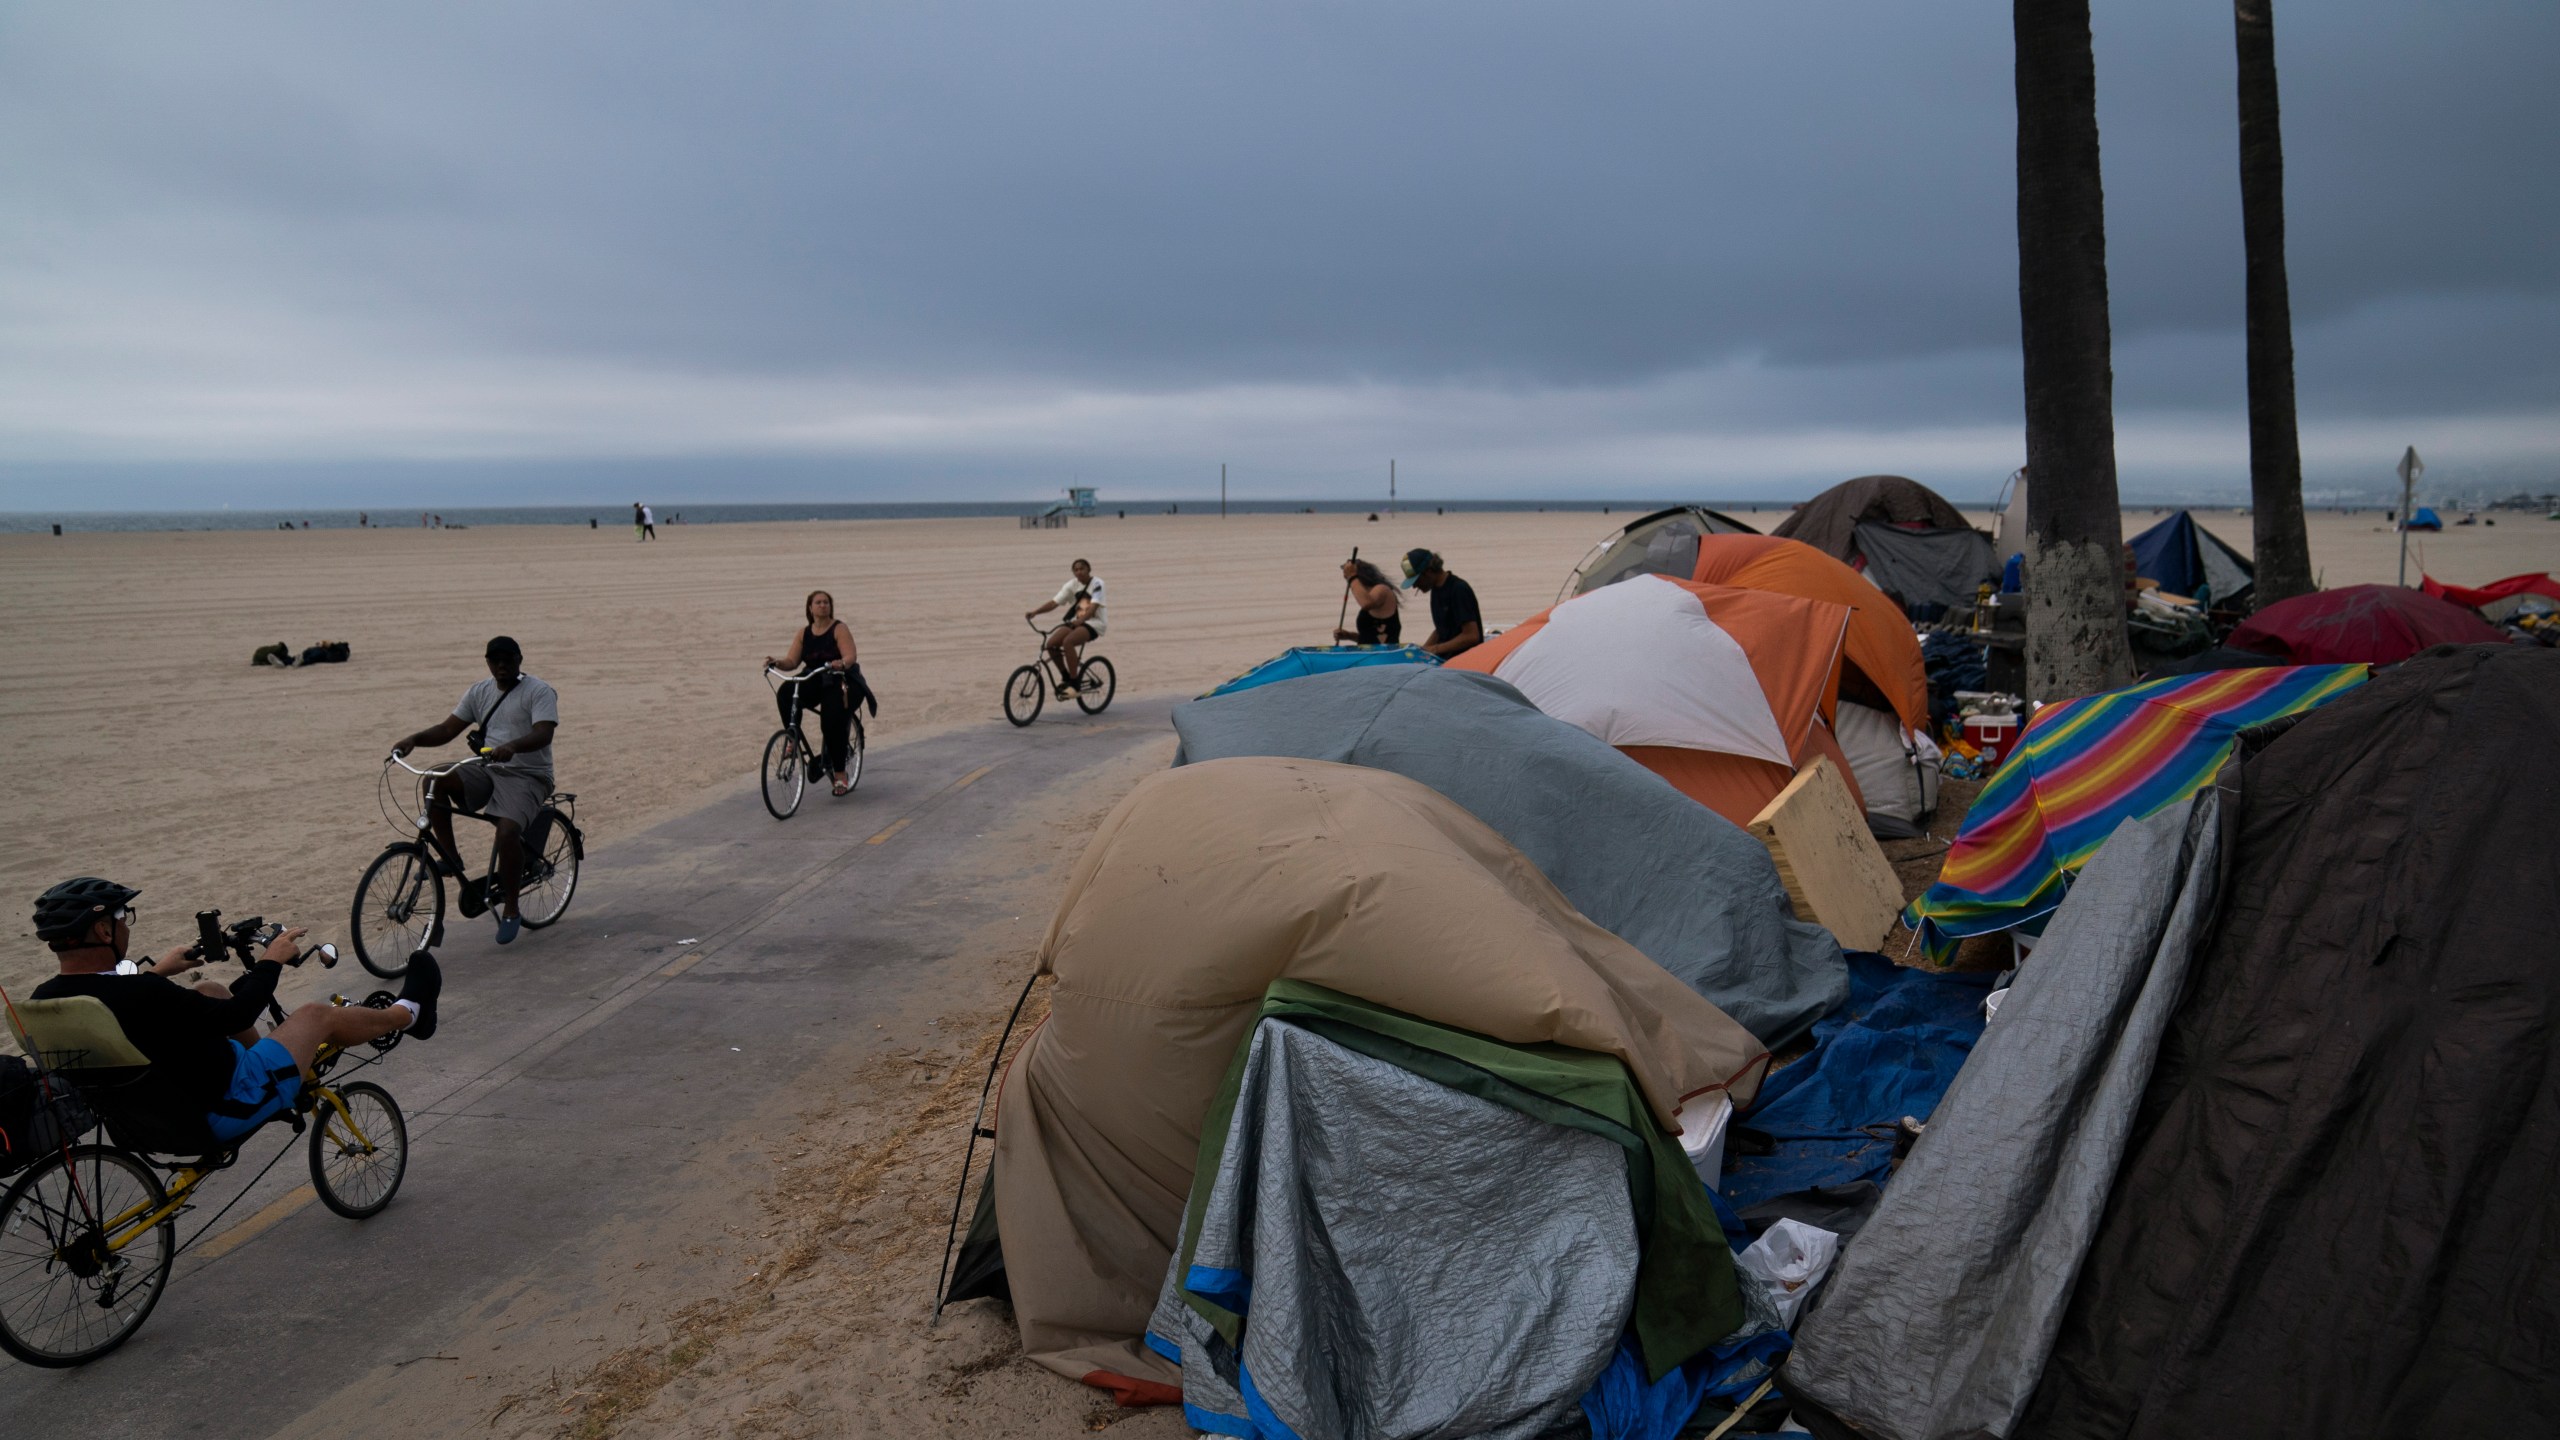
<point>78,1035</point>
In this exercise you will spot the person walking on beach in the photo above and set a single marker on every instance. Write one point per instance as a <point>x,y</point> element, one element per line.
<point>827,642</point>
<point>644,522</point>
<point>1082,595</point>
<point>1377,622</point>
<point>516,716</point>
<point>1457,623</point>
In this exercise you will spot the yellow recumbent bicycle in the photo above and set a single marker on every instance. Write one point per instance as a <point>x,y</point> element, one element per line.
<point>88,1233</point>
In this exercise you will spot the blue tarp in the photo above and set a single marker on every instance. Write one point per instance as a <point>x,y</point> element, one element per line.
<point>1323,660</point>
<point>1891,1051</point>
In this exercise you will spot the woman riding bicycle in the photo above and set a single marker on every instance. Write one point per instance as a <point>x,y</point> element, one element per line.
<point>826,643</point>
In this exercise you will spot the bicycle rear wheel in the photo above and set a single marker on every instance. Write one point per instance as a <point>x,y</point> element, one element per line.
<point>1095,684</point>
<point>552,852</point>
<point>70,1291</point>
<point>786,772</point>
<point>356,1168</point>
<point>399,909</point>
<point>853,757</point>
<point>1024,694</point>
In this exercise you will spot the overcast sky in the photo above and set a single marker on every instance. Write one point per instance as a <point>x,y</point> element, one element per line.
<point>321,253</point>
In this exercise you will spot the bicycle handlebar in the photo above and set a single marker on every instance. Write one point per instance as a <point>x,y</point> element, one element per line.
<point>433,771</point>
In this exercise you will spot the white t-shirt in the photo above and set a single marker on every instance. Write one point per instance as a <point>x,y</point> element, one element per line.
<point>510,715</point>
<point>1075,590</point>
<point>648,516</point>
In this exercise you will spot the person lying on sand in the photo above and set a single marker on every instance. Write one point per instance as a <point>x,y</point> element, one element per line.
<point>517,715</point>
<point>826,642</point>
<point>208,1060</point>
<point>1378,622</point>
<point>1082,596</point>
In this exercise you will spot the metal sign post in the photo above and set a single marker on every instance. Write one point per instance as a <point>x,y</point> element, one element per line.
<point>2411,467</point>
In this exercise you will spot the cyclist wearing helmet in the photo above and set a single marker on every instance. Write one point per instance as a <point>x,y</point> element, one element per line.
<point>207,1058</point>
<point>516,714</point>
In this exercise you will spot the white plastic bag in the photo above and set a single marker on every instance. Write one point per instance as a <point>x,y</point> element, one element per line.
<point>1789,1261</point>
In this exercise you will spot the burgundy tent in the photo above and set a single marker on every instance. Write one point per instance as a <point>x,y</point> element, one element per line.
<point>2372,624</point>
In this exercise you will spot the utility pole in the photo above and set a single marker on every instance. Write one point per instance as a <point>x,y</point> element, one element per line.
<point>2411,467</point>
<point>1222,491</point>
<point>1391,489</point>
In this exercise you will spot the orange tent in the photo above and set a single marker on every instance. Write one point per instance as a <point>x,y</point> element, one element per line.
<point>1881,646</point>
<point>1723,692</point>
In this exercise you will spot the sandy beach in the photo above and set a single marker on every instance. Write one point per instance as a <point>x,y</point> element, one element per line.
<point>145,747</point>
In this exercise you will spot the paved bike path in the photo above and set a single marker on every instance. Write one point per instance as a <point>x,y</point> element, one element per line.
<point>588,1074</point>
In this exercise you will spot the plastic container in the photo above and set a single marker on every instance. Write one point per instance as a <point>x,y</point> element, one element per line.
<point>1702,1138</point>
<point>1992,735</point>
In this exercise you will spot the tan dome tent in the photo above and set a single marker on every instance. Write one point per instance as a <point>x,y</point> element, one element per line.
<point>1662,543</point>
<point>1211,882</point>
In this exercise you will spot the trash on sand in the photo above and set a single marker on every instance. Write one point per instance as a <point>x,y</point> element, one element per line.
<point>1790,1260</point>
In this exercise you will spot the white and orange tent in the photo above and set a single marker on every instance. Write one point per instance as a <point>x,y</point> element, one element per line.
<point>1723,692</point>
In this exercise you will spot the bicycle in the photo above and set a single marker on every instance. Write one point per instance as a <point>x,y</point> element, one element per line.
<point>788,759</point>
<point>1028,688</point>
<point>399,904</point>
<point>88,1233</point>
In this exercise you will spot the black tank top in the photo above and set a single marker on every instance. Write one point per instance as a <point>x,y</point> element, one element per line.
<point>817,649</point>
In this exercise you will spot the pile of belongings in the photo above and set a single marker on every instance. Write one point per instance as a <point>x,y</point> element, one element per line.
<point>1305,660</point>
<point>1902,535</point>
<point>2260,1142</point>
<point>1723,692</point>
<point>2085,766</point>
<point>2359,624</point>
<point>2533,598</point>
<point>327,652</point>
<point>1312,1024</point>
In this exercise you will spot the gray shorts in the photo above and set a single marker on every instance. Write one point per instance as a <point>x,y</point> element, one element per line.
<point>504,793</point>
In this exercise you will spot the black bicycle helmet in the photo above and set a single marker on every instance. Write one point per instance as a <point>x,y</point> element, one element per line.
<point>66,911</point>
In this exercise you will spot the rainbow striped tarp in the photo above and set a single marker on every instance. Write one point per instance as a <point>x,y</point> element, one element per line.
<point>2085,766</point>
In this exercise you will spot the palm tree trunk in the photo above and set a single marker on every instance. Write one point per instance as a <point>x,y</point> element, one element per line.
<point>2275,447</point>
<point>2076,641</point>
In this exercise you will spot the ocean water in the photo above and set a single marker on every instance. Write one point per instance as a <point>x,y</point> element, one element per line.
<point>39,522</point>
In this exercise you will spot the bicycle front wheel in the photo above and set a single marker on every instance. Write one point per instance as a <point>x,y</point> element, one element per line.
<point>399,909</point>
<point>357,1158</point>
<point>1095,683</point>
<point>1024,693</point>
<point>79,1270</point>
<point>853,757</point>
<point>552,852</point>
<point>786,773</point>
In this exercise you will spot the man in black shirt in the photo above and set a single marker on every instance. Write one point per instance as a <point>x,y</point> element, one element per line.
<point>207,1058</point>
<point>1457,625</point>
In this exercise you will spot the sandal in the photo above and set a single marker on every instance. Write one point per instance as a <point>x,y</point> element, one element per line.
<point>842,789</point>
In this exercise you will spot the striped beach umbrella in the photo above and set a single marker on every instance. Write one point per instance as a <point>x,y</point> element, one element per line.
<point>2087,765</point>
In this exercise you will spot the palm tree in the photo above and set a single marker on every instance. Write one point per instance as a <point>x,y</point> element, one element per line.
<point>2275,447</point>
<point>2076,641</point>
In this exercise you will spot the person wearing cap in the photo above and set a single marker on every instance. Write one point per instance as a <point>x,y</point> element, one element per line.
<point>515,715</point>
<point>1082,595</point>
<point>208,1060</point>
<point>1457,623</point>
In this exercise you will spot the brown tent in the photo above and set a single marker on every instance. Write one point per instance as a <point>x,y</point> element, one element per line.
<point>1205,885</point>
<point>1829,521</point>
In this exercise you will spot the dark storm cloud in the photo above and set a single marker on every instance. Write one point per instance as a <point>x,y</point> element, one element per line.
<point>918,230</point>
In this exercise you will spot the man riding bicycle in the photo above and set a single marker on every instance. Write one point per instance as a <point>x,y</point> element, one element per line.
<point>207,1059</point>
<point>516,715</point>
<point>1083,625</point>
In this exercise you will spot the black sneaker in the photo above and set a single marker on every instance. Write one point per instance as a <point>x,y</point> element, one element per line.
<point>423,983</point>
<point>474,898</point>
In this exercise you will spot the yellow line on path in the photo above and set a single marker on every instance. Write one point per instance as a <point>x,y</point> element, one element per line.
<point>972,778</point>
<point>681,966</point>
<point>256,1225</point>
<point>901,823</point>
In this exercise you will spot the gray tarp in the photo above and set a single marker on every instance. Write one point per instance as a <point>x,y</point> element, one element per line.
<point>1927,567</point>
<point>1938,1319</point>
<point>1662,872</point>
<point>1404,1281</point>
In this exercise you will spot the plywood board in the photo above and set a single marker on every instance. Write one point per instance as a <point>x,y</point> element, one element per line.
<point>1835,873</point>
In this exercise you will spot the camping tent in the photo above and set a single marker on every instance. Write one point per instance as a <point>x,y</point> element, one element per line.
<point>2360,624</point>
<point>2310,1040</point>
<point>1638,857</point>
<point>2480,597</point>
<point>1307,660</point>
<point>2422,518</point>
<point>1906,537</point>
<point>2184,558</point>
<point>1722,692</point>
<point>1884,684</point>
<point>1662,543</point>
<point>1205,885</point>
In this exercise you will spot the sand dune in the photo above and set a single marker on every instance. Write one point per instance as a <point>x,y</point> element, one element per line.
<point>143,745</point>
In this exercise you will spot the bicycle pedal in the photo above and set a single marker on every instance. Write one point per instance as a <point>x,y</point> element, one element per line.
<point>474,899</point>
